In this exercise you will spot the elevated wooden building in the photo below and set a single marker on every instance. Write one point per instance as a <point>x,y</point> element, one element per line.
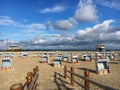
<point>100,48</point>
<point>14,48</point>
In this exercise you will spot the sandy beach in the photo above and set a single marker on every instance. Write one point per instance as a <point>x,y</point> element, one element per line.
<point>49,80</point>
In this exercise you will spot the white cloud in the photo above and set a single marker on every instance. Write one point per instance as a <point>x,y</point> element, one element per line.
<point>72,20</point>
<point>86,11</point>
<point>118,33</point>
<point>5,20</point>
<point>97,32</point>
<point>23,30</point>
<point>54,9</point>
<point>83,39</point>
<point>104,25</point>
<point>35,26</point>
<point>32,30</point>
<point>5,43</point>
<point>109,3</point>
<point>29,31</point>
<point>55,35</point>
<point>87,38</point>
<point>4,17</point>
<point>40,41</point>
<point>81,33</point>
<point>65,24</point>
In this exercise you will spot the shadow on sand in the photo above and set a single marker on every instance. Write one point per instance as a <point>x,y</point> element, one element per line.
<point>51,64</point>
<point>113,62</point>
<point>90,70</point>
<point>60,82</point>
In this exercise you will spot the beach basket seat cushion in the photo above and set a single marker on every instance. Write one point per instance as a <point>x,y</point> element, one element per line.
<point>6,63</point>
<point>44,58</point>
<point>102,64</point>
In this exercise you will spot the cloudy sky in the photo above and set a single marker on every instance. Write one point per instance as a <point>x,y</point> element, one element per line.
<point>62,24</point>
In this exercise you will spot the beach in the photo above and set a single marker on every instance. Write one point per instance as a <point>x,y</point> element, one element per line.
<point>49,80</point>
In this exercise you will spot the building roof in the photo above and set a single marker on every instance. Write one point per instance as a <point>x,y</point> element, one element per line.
<point>100,46</point>
<point>14,48</point>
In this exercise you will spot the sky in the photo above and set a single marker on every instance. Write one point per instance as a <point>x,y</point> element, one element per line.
<point>60,24</point>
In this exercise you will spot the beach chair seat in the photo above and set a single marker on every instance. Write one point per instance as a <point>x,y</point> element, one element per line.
<point>57,61</point>
<point>44,59</point>
<point>6,64</point>
<point>102,66</point>
<point>74,59</point>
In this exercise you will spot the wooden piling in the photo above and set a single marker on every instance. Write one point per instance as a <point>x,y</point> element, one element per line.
<point>72,76</point>
<point>29,78</point>
<point>87,84</point>
<point>34,71</point>
<point>65,72</point>
<point>37,68</point>
<point>31,81</point>
<point>108,69</point>
<point>16,87</point>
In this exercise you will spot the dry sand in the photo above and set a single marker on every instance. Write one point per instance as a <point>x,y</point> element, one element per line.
<point>48,80</point>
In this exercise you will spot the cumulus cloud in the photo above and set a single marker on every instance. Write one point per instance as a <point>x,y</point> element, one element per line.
<point>86,11</point>
<point>55,41</point>
<point>65,24</point>
<point>102,33</point>
<point>87,38</point>
<point>97,32</point>
<point>54,9</point>
<point>4,43</point>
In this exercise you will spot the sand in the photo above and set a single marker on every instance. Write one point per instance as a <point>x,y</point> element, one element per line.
<point>49,80</point>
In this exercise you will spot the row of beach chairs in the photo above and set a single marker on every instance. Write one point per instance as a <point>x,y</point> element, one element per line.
<point>101,60</point>
<point>84,55</point>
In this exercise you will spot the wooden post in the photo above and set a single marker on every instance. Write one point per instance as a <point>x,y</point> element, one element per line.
<point>77,60</point>
<point>87,84</point>
<point>108,69</point>
<point>16,87</point>
<point>65,72</point>
<point>37,68</point>
<point>34,71</point>
<point>72,76</point>
<point>29,78</point>
<point>70,57</point>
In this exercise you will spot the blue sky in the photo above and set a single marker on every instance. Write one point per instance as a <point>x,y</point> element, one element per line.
<point>62,24</point>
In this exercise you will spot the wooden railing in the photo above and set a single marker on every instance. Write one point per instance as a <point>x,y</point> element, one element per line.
<point>31,83</point>
<point>86,79</point>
